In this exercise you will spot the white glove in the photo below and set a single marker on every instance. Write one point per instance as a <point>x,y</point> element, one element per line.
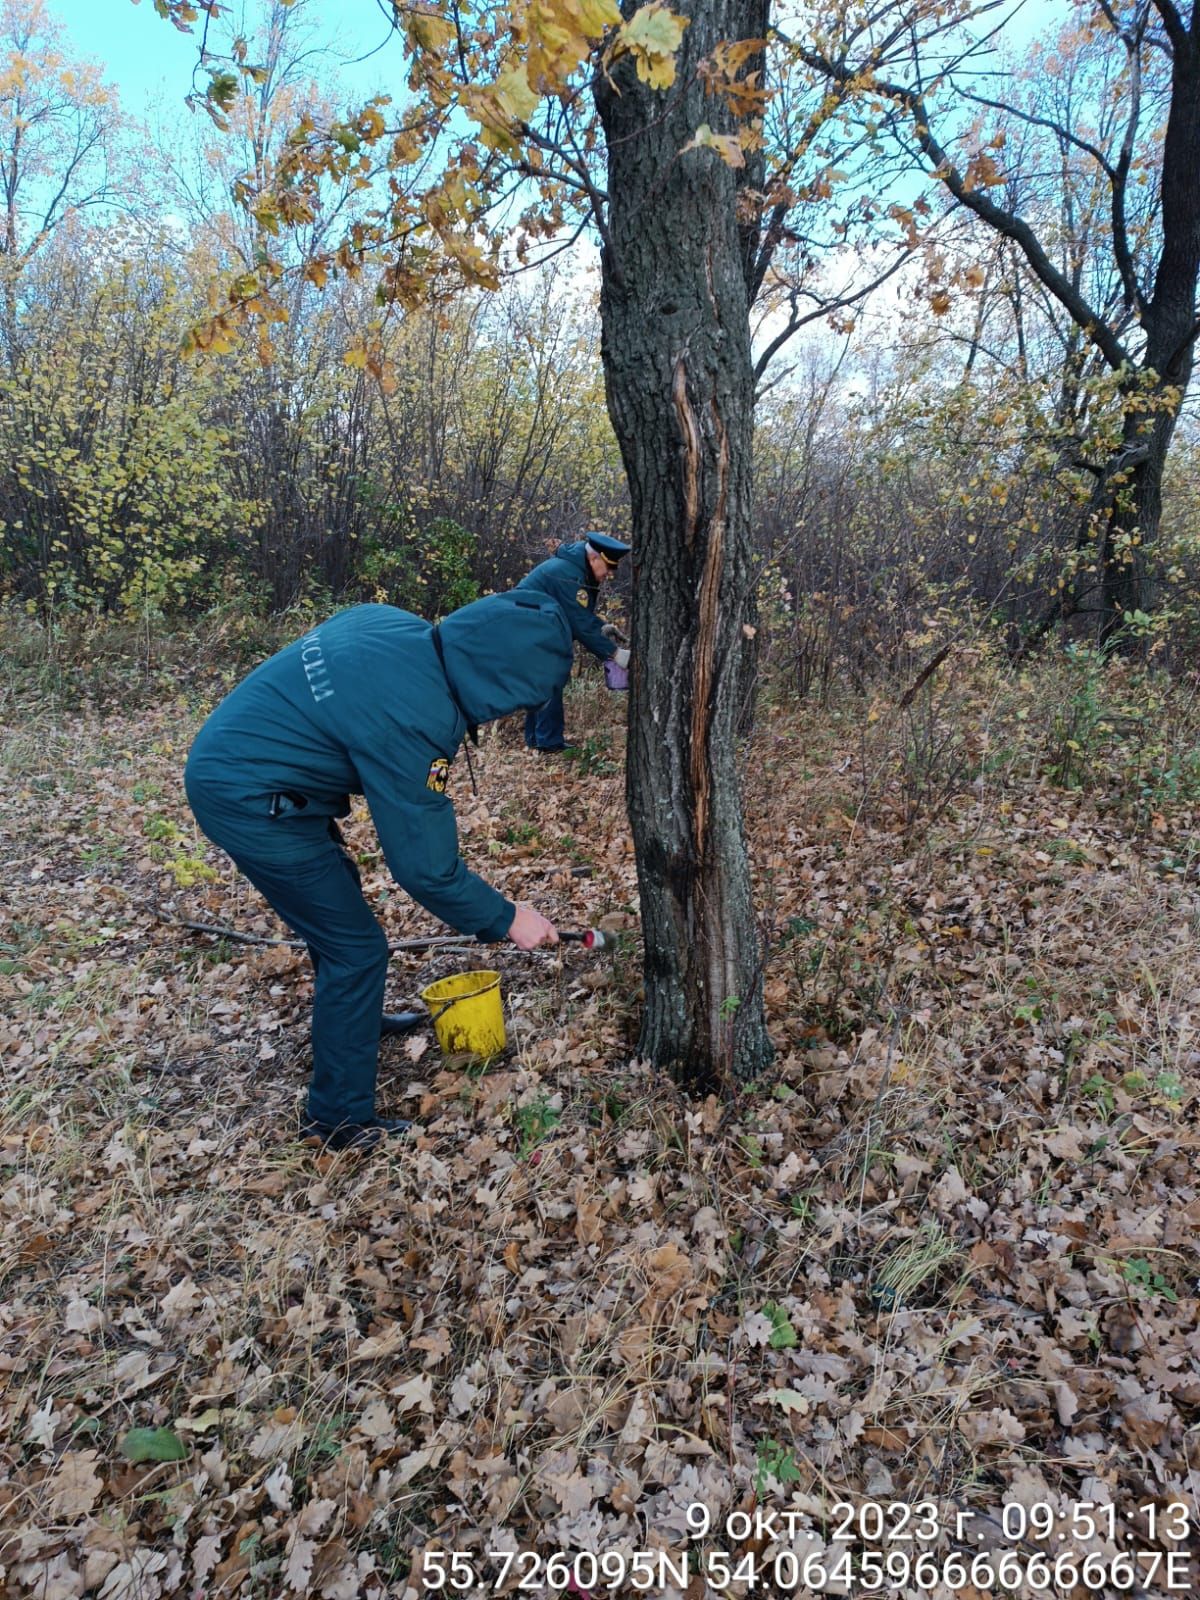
<point>621,657</point>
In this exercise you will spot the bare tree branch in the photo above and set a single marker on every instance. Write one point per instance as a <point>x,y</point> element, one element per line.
<point>823,308</point>
<point>997,217</point>
<point>1120,177</point>
<point>1176,28</point>
<point>1049,123</point>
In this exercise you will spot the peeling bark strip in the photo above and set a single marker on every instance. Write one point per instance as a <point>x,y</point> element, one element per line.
<point>690,433</point>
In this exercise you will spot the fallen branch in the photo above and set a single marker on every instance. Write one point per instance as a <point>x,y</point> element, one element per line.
<point>923,677</point>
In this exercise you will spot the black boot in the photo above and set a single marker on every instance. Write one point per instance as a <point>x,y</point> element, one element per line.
<point>394,1022</point>
<point>354,1135</point>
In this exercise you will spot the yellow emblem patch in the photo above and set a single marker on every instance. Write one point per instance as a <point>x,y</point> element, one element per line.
<point>439,775</point>
<point>582,597</point>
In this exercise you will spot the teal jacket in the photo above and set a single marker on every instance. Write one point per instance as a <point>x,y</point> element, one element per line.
<point>363,704</point>
<point>564,578</point>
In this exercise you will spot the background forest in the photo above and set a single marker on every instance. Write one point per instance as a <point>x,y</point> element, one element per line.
<point>919,448</point>
<point>942,1248</point>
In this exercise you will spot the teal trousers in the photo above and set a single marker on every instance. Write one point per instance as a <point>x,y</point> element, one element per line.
<point>301,868</point>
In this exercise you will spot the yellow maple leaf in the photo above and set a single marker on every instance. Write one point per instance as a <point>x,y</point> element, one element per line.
<point>560,34</point>
<point>502,106</point>
<point>475,266</point>
<point>725,144</point>
<point>427,30</point>
<point>555,42</point>
<point>514,96</point>
<point>596,15</point>
<point>652,35</point>
<point>406,147</point>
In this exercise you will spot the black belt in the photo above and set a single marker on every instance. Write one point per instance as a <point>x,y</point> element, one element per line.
<point>472,727</point>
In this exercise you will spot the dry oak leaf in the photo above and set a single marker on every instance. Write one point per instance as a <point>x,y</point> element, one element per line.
<point>279,1437</point>
<point>464,1393</point>
<point>996,1427</point>
<point>179,1302</point>
<point>55,1579</point>
<point>386,1343</point>
<point>278,1486</point>
<point>132,1374</point>
<point>408,1466</point>
<point>75,1486</point>
<point>949,1191</point>
<point>205,1556</point>
<point>377,1425</point>
<point>436,1345</point>
<point>135,1579</point>
<point>667,1270</point>
<point>80,1317</point>
<point>297,1569</point>
<point>756,1329</point>
<point>1066,1403</point>
<point>789,1399</point>
<point>589,1228</point>
<point>1065,1143</point>
<point>42,1425</point>
<point>314,1517</point>
<point>417,1392</point>
<point>1146,1421</point>
<point>561,1476</point>
<point>640,1422</point>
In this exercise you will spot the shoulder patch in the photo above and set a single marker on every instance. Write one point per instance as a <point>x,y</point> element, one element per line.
<point>439,775</point>
<point>582,597</point>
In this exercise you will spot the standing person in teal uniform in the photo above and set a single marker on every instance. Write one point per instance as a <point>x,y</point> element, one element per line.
<point>573,577</point>
<point>375,702</point>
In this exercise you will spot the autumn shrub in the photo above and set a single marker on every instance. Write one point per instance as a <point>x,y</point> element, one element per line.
<point>114,492</point>
<point>59,658</point>
<point>426,569</point>
<point>903,483</point>
<point>969,723</point>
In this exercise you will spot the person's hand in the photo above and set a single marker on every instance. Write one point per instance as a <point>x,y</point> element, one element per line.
<point>621,657</point>
<point>613,634</point>
<point>530,929</point>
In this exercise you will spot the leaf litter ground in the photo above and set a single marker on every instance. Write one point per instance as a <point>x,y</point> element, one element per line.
<point>946,1250</point>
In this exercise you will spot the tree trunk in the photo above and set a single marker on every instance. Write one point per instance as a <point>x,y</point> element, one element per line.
<point>1134,497</point>
<point>680,386</point>
<point>1171,327</point>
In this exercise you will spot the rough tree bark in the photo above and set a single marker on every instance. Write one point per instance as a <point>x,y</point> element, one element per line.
<point>1128,500</point>
<point>680,386</point>
<point>1171,324</point>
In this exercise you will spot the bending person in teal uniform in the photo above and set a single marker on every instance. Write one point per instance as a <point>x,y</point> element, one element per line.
<point>375,702</point>
<point>573,577</point>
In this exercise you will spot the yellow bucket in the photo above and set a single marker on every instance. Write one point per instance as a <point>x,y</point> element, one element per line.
<point>468,1014</point>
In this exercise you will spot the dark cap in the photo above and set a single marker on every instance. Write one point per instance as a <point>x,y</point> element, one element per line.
<point>609,548</point>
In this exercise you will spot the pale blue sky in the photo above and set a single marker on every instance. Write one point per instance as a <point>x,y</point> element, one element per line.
<point>150,62</point>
